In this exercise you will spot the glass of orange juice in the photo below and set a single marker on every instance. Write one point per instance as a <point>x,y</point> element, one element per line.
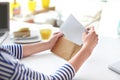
<point>32,5</point>
<point>45,33</point>
<point>45,3</point>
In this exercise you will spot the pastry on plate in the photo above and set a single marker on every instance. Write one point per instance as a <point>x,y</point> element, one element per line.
<point>22,32</point>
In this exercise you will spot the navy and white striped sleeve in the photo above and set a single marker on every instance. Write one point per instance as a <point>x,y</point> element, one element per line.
<point>66,72</point>
<point>12,69</point>
<point>15,50</point>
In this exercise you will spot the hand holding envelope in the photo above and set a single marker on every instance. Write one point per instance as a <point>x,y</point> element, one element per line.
<point>68,45</point>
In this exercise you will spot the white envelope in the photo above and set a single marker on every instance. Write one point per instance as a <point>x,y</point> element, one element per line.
<point>73,29</point>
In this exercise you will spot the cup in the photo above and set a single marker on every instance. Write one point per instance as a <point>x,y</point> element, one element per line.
<point>45,33</point>
<point>32,6</point>
<point>45,3</point>
<point>15,8</point>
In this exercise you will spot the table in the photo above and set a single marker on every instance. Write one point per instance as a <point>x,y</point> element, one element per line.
<point>95,68</point>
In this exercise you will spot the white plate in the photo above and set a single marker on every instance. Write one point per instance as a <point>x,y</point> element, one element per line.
<point>26,38</point>
<point>31,39</point>
<point>24,41</point>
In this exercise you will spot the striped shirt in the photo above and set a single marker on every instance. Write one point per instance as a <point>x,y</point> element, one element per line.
<point>12,69</point>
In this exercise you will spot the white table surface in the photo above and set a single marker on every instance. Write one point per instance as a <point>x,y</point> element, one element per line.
<point>95,68</point>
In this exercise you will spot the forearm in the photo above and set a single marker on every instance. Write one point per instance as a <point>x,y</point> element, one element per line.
<point>80,58</point>
<point>38,47</point>
<point>90,40</point>
<point>30,49</point>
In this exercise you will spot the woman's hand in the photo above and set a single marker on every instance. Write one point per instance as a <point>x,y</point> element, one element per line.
<point>54,39</point>
<point>90,39</point>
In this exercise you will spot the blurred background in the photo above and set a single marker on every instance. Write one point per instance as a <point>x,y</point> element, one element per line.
<point>103,14</point>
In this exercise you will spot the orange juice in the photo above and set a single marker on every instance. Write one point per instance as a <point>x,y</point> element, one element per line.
<point>45,33</point>
<point>32,5</point>
<point>45,3</point>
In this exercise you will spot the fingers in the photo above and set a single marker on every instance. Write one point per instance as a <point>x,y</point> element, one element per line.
<point>89,29</point>
<point>58,34</point>
<point>93,34</point>
<point>90,33</point>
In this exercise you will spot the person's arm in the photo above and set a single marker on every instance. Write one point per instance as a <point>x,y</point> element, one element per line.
<point>14,50</point>
<point>90,40</point>
<point>30,49</point>
<point>20,51</point>
<point>12,69</point>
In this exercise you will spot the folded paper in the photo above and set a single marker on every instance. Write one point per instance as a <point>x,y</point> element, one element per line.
<point>68,45</point>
